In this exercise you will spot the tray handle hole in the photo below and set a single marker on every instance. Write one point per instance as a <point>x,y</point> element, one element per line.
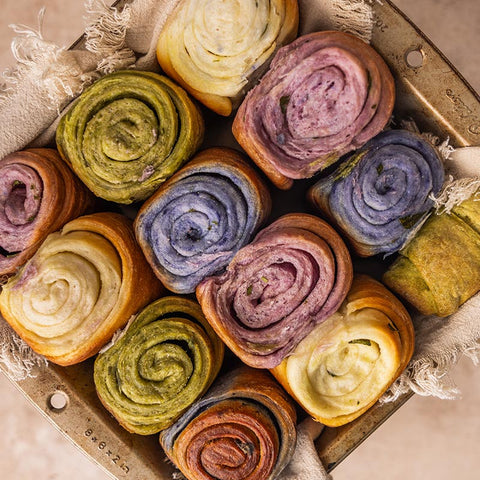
<point>57,401</point>
<point>414,57</point>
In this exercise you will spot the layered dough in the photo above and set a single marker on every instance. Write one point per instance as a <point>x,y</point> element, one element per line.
<point>82,285</point>
<point>196,221</point>
<point>166,359</point>
<point>38,195</point>
<point>128,132</point>
<point>439,269</point>
<point>344,365</point>
<point>325,94</point>
<point>244,428</point>
<point>294,274</point>
<point>380,195</point>
<point>213,48</point>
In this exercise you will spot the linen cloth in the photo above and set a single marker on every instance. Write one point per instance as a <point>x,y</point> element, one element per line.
<point>48,77</point>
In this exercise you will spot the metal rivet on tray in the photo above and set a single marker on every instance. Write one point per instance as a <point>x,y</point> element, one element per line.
<point>57,401</point>
<point>414,57</point>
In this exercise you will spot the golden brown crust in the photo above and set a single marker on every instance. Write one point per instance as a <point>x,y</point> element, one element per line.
<point>368,295</point>
<point>103,243</point>
<point>289,124</point>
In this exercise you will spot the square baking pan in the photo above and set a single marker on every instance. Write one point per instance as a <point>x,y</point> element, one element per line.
<point>429,91</point>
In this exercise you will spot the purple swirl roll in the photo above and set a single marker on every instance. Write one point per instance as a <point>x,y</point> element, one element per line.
<point>290,278</point>
<point>195,223</point>
<point>380,194</point>
<point>326,94</point>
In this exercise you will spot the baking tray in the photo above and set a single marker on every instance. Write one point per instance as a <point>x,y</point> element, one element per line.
<point>432,93</point>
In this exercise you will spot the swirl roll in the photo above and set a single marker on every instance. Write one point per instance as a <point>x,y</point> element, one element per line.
<point>382,193</point>
<point>197,220</point>
<point>166,359</point>
<point>128,132</point>
<point>38,195</point>
<point>244,428</point>
<point>326,94</point>
<point>295,273</point>
<point>209,52</point>
<point>439,269</point>
<point>82,285</point>
<point>344,365</point>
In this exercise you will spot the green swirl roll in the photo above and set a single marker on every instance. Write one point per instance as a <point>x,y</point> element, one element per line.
<point>166,359</point>
<point>128,132</point>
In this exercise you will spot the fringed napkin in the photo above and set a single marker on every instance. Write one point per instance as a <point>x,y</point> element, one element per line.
<point>48,77</point>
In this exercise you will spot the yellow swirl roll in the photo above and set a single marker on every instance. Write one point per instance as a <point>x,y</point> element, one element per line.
<point>213,55</point>
<point>81,286</point>
<point>346,363</point>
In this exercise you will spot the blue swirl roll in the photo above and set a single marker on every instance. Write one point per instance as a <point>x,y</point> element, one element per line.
<point>194,223</point>
<point>379,195</point>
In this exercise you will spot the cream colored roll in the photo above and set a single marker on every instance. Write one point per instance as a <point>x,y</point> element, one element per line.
<point>82,285</point>
<point>345,364</point>
<point>213,55</point>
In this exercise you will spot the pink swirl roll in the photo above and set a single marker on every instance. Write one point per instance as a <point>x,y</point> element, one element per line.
<point>38,195</point>
<point>293,275</point>
<point>326,94</point>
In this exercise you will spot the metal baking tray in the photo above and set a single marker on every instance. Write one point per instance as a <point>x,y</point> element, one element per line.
<point>432,93</point>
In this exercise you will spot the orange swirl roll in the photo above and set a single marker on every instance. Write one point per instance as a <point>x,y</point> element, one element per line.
<point>244,428</point>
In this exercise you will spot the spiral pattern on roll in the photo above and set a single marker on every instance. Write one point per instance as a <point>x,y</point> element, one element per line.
<point>194,224</point>
<point>128,132</point>
<point>82,284</point>
<point>166,359</point>
<point>244,428</point>
<point>383,192</point>
<point>38,195</point>
<point>326,94</point>
<point>293,275</point>
<point>344,365</point>
<point>207,50</point>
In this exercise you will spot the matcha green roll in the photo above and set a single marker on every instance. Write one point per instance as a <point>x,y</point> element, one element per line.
<point>166,359</point>
<point>128,132</point>
<point>439,269</point>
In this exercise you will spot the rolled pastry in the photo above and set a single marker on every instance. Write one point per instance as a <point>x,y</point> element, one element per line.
<point>38,195</point>
<point>82,285</point>
<point>166,359</point>
<point>213,55</point>
<point>197,220</point>
<point>295,273</point>
<point>244,428</point>
<point>382,193</point>
<point>344,365</point>
<point>439,269</point>
<point>325,94</point>
<point>128,132</point>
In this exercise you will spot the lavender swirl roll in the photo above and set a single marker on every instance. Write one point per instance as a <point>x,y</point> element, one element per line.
<point>195,223</point>
<point>379,195</point>
<point>326,94</point>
